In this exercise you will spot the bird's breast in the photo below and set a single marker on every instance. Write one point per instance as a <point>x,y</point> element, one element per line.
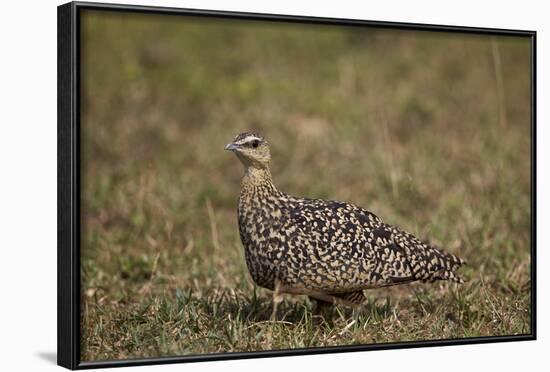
<point>261,232</point>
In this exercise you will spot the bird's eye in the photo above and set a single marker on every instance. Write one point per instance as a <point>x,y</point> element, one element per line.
<point>255,143</point>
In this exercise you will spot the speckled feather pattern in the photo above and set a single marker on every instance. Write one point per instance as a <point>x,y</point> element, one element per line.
<point>328,246</point>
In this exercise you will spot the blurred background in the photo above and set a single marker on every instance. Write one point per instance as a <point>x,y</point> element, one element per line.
<point>428,130</point>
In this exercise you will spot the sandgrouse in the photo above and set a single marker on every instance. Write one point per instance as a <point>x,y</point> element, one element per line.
<point>328,250</point>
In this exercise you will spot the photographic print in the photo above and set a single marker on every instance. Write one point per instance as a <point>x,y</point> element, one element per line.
<point>249,185</point>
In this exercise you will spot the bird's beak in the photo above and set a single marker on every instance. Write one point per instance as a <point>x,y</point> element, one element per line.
<point>231,147</point>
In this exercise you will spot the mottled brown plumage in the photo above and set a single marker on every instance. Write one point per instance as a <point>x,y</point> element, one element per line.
<point>326,249</point>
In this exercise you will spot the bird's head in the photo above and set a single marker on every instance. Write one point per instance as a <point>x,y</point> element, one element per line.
<point>251,149</point>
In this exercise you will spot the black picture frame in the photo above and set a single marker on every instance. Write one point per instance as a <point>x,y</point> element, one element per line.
<point>69,184</point>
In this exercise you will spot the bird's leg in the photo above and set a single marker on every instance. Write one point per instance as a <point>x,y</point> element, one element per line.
<point>277,298</point>
<point>322,308</point>
<point>328,299</point>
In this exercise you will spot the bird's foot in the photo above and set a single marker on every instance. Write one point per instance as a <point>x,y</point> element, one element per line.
<point>277,299</point>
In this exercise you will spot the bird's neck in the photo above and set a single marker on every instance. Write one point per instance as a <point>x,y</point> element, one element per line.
<point>257,180</point>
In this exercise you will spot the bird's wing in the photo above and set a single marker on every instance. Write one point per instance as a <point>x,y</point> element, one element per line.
<point>425,261</point>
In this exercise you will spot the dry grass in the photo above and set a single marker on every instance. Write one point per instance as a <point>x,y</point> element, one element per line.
<point>406,124</point>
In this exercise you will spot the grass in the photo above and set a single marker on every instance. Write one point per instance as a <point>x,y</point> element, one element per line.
<point>428,130</point>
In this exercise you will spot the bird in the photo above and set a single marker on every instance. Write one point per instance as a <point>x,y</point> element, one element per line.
<point>328,250</point>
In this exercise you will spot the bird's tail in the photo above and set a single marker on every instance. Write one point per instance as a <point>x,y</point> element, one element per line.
<point>429,263</point>
<point>451,263</point>
<point>445,275</point>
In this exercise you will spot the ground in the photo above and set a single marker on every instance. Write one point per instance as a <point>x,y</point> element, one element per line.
<point>430,131</point>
